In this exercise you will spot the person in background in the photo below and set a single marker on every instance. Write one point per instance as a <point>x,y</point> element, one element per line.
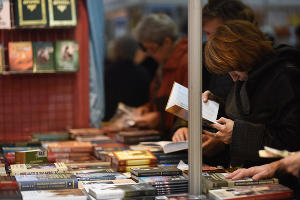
<point>158,37</point>
<point>297,33</point>
<point>215,13</point>
<point>263,106</point>
<point>124,81</point>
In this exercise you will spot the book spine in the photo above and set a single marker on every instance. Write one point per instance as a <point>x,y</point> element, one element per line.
<point>48,184</point>
<point>8,185</point>
<point>162,173</point>
<point>243,183</point>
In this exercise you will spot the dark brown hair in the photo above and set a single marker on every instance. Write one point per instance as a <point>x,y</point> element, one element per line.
<point>228,10</point>
<point>236,45</point>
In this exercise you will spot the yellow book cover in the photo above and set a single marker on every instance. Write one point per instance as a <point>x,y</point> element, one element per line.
<point>130,157</point>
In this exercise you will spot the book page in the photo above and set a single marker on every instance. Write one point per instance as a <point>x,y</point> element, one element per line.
<point>210,110</point>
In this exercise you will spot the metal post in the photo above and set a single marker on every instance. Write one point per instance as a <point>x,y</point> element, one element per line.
<point>195,91</point>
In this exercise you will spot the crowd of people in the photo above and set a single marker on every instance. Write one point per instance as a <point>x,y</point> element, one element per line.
<point>255,82</point>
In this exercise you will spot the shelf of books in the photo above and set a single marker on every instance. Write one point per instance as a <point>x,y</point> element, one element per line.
<point>44,75</point>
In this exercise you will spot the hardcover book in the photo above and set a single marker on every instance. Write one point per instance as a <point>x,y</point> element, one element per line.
<point>30,13</point>
<point>31,156</point>
<point>121,191</point>
<point>156,171</point>
<point>65,194</point>
<point>178,105</point>
<point>5,21</point>
<point>71,146</point>
<point>130,157</point>
<point>8,183</point>
<point>62,12</point>
<point>28,169</point>
<point>20,56</point>
<point>66,56</point>
<point>262,192</point>
<point>43,57</point>
<point>161,180</point>
<point>127,168</point>
<point>47,182</point>
<point>218,180</point>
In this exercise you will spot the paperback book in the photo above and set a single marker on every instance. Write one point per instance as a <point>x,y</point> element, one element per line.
<point>20,56</point>
<point>43,57</point>
<point>169,146</point>
<point>129,157</point>
<point>34,169</point>
<point>5,21</point>
<point>66,56</point>
<point>156,171</point>
<point>178,105</point>
<point>62,13</point>
<point>8,183</point>
<point>100,176</point>
<point>31,156</point>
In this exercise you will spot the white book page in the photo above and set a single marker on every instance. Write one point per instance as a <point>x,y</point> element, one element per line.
<point>210,110</point>
<point>179,96</point>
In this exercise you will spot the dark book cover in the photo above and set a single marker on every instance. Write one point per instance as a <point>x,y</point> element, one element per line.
<point>10,194</point>
<point>156,171</point>
<point>43,57</point>
<point>100,176</point>
<point>62,12</point>
<point>66,56</point>
<point>20,56</point>
<point>46,182</point>
<point>30,13</point>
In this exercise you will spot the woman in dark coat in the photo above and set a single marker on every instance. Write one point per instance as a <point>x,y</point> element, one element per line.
<point>263,105</point>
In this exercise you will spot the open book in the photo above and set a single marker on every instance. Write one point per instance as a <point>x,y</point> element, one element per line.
<point>178,105</point>
<point>169,146</point>
<point>269,152</point>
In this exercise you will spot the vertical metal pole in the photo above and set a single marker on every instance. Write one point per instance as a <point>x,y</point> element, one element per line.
<point>195,91</point>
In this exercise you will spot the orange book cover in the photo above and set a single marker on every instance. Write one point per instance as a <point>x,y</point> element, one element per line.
<point>20,56</point>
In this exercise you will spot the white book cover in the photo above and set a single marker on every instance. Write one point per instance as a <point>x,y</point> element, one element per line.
<point>178,104</point>
<point>65,194</point>
<point>5,21</point>
<point>169,146</point>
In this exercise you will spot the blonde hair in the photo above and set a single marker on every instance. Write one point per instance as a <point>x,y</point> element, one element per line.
<point>236,46</point>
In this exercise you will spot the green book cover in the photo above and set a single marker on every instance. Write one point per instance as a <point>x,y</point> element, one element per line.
<point>43,57</point>
<point>62,12</point>
<point>31,12</point>
<point>1,58</point>
<point>66,56</point>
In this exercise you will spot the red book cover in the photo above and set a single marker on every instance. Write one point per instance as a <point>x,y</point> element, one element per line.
<point>8,183</point>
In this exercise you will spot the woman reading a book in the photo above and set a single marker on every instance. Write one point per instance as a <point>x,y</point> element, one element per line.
<point>263,106</point>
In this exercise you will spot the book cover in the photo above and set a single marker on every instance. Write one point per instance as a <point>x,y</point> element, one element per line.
<point>30,13</point>
<point>180,155</point>
<point>20,56</point>
<point>127,168</point>
<point>2,62</point>
<point>100,176</point>
<point>10,194</point>
<point>86,185</point>
<point>85,131</point>
<point>43,57</point>
<point>161,180</point>
<point>70,146</point>
<point>129,157</point>
<point>156,171</point>
<point>8,183</point>
<point>66,56</point>
<point>218,180</point>
<point>14,149</point>
<point>70,155</point>
<point>5,21</point>
<point>82,164</point>
<point>262,192</point>
<point>34,169</point>
<point>62,12</point>
<point>31,156</point>
<point>178,105</point>
<point>121,191</point>
<point>64,194</point>
<point>46,182</point>
<point>88,171</point>
<point>51,136</point>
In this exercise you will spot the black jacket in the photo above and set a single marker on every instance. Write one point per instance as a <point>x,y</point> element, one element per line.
<point>125,82</point>
<point>266,108</point>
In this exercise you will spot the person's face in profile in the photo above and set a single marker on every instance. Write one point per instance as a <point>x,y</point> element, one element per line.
<point>211,25</point>
<point>159,52</point>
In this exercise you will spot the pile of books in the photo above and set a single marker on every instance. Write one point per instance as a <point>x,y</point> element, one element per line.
<point>165,180</point>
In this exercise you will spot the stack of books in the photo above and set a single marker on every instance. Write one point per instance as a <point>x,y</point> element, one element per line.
<point>71,151</point>
<point>139,135</point>
<point>123,161</point>
<point>165,180</point>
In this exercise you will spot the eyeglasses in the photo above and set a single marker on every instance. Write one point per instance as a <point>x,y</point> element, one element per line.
<point>142,47</point>
<point>150,50</point>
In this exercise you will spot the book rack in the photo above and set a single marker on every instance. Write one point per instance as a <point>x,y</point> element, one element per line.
<point>38,102</point>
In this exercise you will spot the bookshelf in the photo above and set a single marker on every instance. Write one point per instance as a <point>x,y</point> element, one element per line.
<point>31,102</point>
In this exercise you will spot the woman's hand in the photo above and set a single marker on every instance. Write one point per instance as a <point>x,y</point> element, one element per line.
<point>224,127</point>
<point>257,172</point>
<point>181,135</point>
<point>141,110</point>
<point>207,95</point>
